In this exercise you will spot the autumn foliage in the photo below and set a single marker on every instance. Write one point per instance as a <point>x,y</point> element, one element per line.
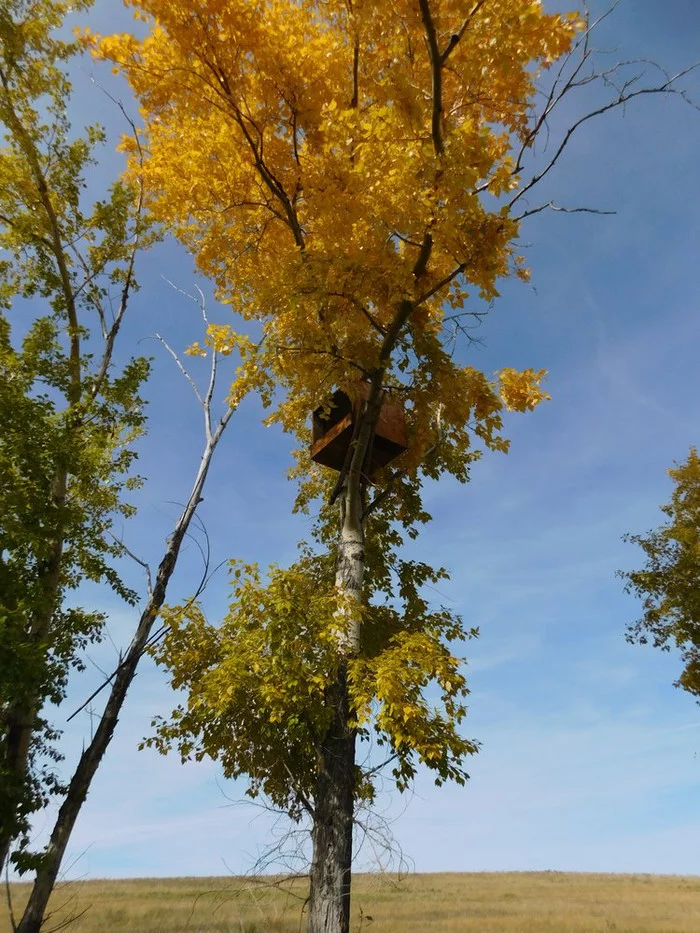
<point>345,172</point>
<point>295,148</point>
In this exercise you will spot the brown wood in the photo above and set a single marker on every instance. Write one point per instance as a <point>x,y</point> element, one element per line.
<point>333,430</point>
<point>331,446</point>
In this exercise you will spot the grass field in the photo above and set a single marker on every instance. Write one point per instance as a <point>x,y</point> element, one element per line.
<point>527,902</point>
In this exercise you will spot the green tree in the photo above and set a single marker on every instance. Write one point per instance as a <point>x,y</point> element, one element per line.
<point>669,582</point>
<point>69,418</point>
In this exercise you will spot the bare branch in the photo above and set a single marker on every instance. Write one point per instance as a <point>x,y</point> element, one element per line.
<point>551,206</point>
<point>156,636</point>
<point>129,278</point>
<point>200,301</point>
<point>555,94</point>
<point>69,921</point>
<point>142,563</point>
<point>623,97</point>
<point>181,368</point>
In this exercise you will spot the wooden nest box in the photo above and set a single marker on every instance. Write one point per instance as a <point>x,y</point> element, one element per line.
<point>333,430</point>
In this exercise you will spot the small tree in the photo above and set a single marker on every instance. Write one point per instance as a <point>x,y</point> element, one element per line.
<point>669,582</point>
<point>68,419</point>
<point>351,174</point>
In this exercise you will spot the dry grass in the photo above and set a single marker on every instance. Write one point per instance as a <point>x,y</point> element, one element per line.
<point>529,902</point>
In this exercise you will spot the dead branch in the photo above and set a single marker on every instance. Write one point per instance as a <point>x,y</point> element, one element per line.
<point>142,563</point>
<point>551,206</point>
<point>178,363</point>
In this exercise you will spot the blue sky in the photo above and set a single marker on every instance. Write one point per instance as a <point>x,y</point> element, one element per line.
<point>590,757</point>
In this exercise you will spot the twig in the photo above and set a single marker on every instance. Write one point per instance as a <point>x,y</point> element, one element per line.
<point>550,205</point>
<point>623,98</point>
<point>440,285</point>
<point>455,39</point>
<point>301,796</point>
<point>69,920</point>
<point>129,278</point>
<point>394,478</point>
<point>381,767</point>
<point>142,563</point>
<point>182,369</point>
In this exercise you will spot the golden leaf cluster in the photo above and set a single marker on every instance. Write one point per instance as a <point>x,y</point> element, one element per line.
<point>294,148</point>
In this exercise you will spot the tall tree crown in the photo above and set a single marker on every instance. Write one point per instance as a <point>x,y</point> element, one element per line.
<point>339,168</point>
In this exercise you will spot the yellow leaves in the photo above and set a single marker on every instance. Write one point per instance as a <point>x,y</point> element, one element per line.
<point>365,170</point>
<point>255,683</point>
<point>222,338</point>
<point>250,374</point>
<point>521,391</point>
<point>307,194</point>
<point>117,48</point>
<point>393,684</point>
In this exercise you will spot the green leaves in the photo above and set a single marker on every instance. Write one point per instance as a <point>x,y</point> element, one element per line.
<point>669,582</point>
<point>257,684</point>
<point>69,416</point>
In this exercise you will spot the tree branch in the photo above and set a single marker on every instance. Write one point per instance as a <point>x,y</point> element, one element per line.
<point>142,563</point>
<point>394,478</point>
<point>624,96</point>
<point>550,205</point>
<point>182,369</point>
<point>301,796</point>
<point>456,38</point>
<point>423,256</point>
<point>268,177</point>
<point>129,278</point>
<point>440,285</point>
<point>436,75</point>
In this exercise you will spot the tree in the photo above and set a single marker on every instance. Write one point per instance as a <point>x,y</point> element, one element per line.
<point>669,582</point>
<point>69,419</point>
<point>350,174</point>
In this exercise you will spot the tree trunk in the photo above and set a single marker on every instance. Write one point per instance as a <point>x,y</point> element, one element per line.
<point>329,901</point>
<point>334,800</point>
